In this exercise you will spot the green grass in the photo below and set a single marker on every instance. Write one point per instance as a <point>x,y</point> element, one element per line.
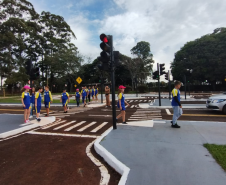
<point>219,153</point>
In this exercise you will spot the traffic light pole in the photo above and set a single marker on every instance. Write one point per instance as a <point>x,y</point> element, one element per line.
<point>185,86</point>
<point>159,84</point>
<point>113,85</point>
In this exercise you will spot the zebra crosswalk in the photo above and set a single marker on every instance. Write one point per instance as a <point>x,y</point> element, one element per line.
<point>73,126</point>
<point>146,114</point>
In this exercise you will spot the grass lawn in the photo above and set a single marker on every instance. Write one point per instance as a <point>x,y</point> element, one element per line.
<point>219,153</point>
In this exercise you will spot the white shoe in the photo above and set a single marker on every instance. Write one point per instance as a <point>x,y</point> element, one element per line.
<point>30,116</point>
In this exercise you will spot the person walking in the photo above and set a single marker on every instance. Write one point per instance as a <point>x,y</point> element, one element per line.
<point>89,93</point>
<point>93,93</point>
<point>121,104</point>
<point>25,99</point>
<point>96,93</point>
<point>38,103</point>
<point>32,101</point>
<point>107,95</point>
<point>47,99</point>
<point>78,96</point>
<point>177,108</point>
<point>65,99</point>
<point>84,95</point>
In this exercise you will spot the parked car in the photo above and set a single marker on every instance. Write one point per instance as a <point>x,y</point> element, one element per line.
<point>217,102</point>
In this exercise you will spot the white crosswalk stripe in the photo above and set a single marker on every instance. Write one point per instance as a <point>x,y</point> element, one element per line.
<point>99,127</point>
<point>64,125</point>
<point>132,106</point>
<point>72,127</point>
<point>57,123</point>
<point>131,101</point>
<point>87,126</point>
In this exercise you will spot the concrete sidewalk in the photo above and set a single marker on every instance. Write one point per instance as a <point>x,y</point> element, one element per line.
<point>165,156</point>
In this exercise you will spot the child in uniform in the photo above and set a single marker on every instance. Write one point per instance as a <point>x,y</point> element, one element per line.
<point>77,96</point>
<point>32,101</point>
<point>38,103</point>
<point>47,99</point>
<point>89,93</point>
<point>65,99</point>
<point>121,104</point>
<point>96,93</point>
<point>177,108</point>
<point>25,99</point>
<point>84,95</point>
<point>93,92</point>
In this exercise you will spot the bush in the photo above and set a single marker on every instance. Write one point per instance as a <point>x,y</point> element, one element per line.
<point>142,88</point>
<point>128,88</point>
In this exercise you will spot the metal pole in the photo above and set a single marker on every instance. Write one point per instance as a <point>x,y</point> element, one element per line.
<point>159,85</point>
<point>101,87</point>
<point>113,86</point>
<point>189,87</point>
<point>185,86</point>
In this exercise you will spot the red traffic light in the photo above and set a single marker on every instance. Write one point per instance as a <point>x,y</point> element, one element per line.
<point>103,38</point>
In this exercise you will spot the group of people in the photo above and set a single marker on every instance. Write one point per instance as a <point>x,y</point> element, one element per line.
<point>33,99</point>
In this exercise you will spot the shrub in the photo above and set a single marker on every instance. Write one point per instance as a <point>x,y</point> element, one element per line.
<point>142,88</point>
<point>128,88</point>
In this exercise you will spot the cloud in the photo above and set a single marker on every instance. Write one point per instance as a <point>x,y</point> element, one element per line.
<point>85,36</point>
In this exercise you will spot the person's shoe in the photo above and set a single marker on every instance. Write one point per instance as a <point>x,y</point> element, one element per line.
<point>25,121</point>
<point>47,115</point>
<point>31,116</point>
<point>124,123</point>
<point>175,126</point>
<point>38,119</point>
<point>28,121</point>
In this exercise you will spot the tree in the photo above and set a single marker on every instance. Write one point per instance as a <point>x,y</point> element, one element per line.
<point>143,52</point>
<point>206,56</point>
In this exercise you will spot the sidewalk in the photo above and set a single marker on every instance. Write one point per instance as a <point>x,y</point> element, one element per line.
<point>165,156</point>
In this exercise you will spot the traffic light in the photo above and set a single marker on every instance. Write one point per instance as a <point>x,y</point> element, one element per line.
<point>28,66</point>
<point>167,76</point>
<point>105,55</point>
<point>162,69</point>
<point>156,75</point>
<point>35,73</point>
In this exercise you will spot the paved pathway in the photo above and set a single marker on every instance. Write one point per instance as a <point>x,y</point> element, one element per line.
<point>165,156</point>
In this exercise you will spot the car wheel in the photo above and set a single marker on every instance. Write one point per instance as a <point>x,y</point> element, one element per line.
<point>224,110</point>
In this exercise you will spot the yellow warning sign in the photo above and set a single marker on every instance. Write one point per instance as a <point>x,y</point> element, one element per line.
<point>79,80</point>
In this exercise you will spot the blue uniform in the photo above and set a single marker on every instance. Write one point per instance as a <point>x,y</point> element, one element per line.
<point>175,92</point>
<point>121,97</point>
<point>93,92</point>
<point>84,94</point>
<point>26,99</point>
<point>96,93</point>
<point>47,99</point>
<point>38,96</point>
<point>65,99</point>
<point>32,99</point>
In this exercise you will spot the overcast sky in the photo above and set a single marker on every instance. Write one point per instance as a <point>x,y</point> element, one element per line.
<point>166,25</point>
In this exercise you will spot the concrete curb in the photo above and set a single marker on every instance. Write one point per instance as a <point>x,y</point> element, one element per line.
<point>110,159</point>
<point>31,126</point>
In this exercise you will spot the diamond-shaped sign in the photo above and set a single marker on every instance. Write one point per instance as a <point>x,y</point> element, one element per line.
<point>79,80</point>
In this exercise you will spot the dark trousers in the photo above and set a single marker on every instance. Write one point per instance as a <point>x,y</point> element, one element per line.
<point>89,97</point>
<point>78,100</point>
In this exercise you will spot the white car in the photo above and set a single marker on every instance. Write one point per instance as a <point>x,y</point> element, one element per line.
<point>217,102</point>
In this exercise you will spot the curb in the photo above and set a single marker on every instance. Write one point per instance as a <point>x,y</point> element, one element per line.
<point>110,159</point>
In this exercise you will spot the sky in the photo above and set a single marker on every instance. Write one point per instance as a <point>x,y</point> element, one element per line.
<point>166,25</point>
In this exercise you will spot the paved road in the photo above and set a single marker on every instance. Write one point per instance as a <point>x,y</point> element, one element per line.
<point>10,122</point>
<point>165,156</point>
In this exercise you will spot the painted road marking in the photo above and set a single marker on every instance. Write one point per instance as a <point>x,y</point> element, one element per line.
<point>19,110</point>
<point>168,112</point>
<point>57,123</point>
<point>159,122</point>
<point>64,125</point>
<point>59,134</point>
<point>131,101</point>
<point>204,115</point>
<point>102,115</point>
<point>87,126</point>
<point>77,125</point>
<point>132,106</point>
<point>99,127</point>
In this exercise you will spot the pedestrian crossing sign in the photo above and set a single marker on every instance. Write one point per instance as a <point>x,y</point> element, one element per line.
<point>79,80</point>
<point>75,85</point>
